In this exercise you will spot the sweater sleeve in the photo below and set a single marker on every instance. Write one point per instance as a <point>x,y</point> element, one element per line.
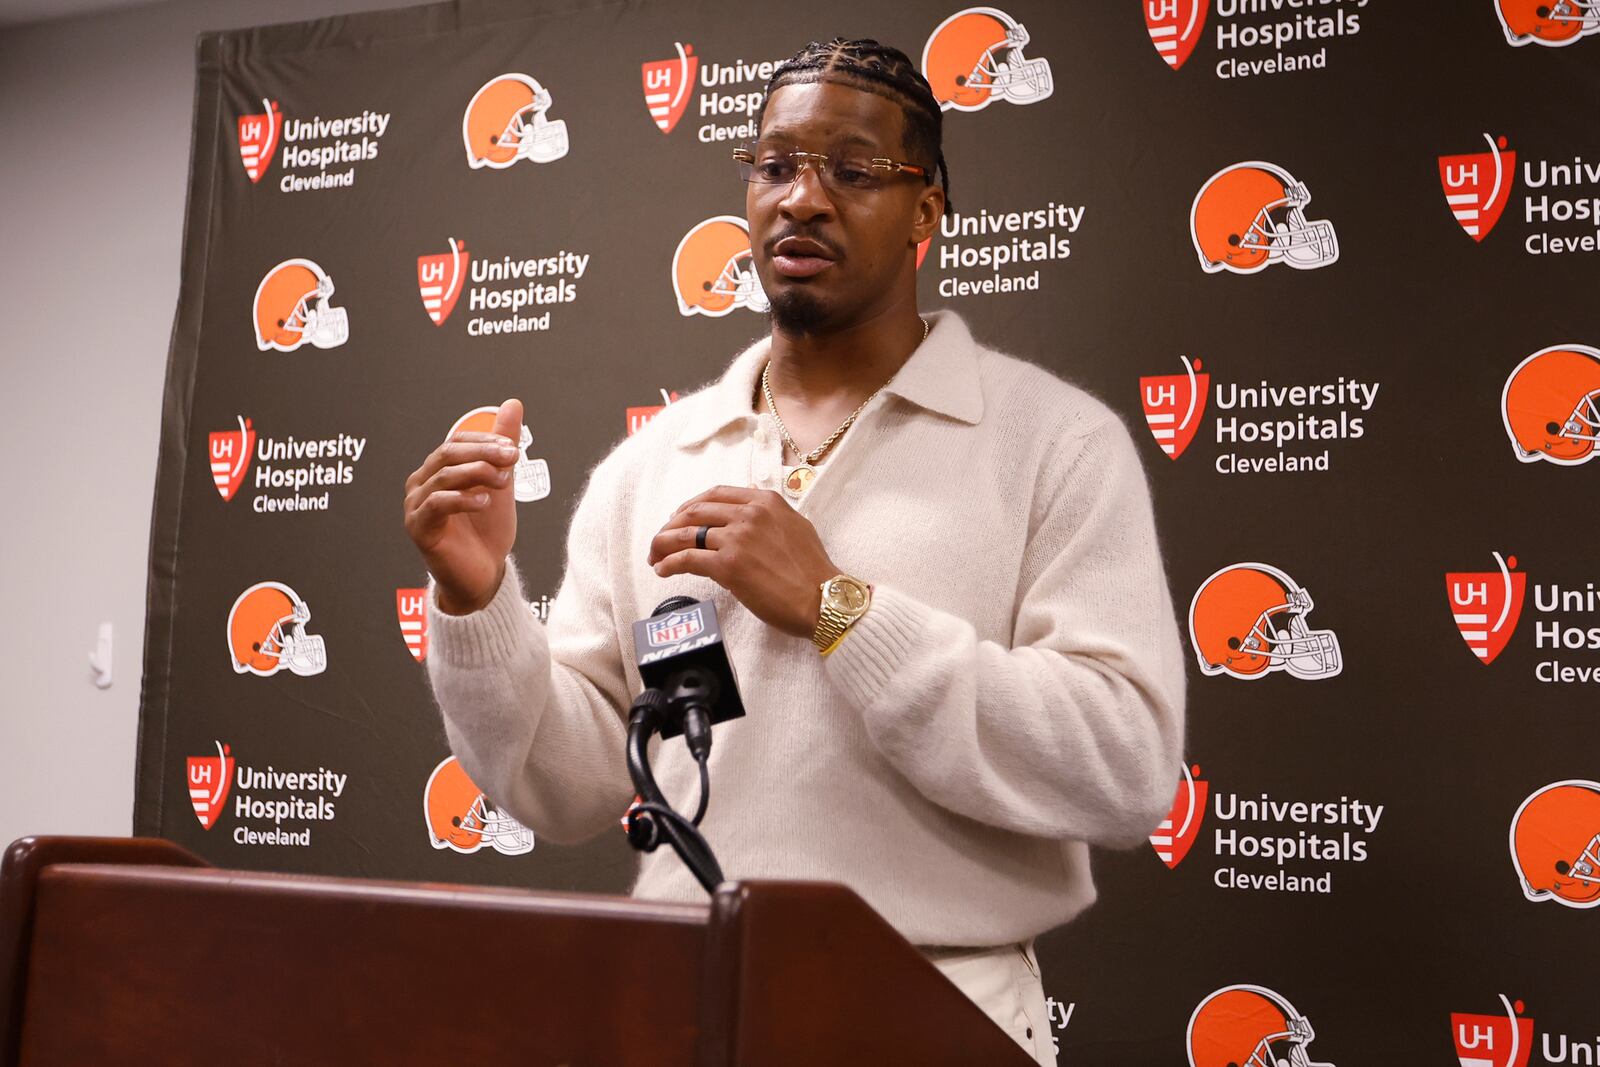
<point>1076,730</point>
<point>535,712</point>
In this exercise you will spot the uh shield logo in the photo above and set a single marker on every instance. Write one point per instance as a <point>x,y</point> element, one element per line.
<point>1486,606</point>
<point>440,278</point>
<point>411,606</point>
<point>1478,185</point>
<point>1179,830</point>
<point>1174,404</point>
<point>666,86</point>
<point>258,138</point>
<point>1493,1040</point>
<point>1175,27</point>
<point>672,628</point>
<point>209,779</point>
<point>229,452</point>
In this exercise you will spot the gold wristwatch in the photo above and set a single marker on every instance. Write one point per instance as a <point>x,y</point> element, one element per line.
<point>844,600</point>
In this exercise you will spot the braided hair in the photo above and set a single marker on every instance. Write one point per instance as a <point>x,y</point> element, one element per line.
<point>875,68</point>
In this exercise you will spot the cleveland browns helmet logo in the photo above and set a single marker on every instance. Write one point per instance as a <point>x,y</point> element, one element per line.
<point>1175,27</point>
<point>1493,1040</point>
<point>532,476</point>
<point>267,632</point>
<point>292,309</point>
<point>1249,1026</point>
<point>1251,215</point>
<point>1548,23</point>
<point>507,121</point>
<point>974,58</point>
<point>1551,405</point>
<point>713,270</point>
<point>1555,844</point>
<point>1249,620</point>
<point>258,138</point>
<point>1477,186</point>
<point>460,818</point>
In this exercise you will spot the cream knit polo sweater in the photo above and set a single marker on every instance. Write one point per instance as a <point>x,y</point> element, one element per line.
<point>1014,694</point>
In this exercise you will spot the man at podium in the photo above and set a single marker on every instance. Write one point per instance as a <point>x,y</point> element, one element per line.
<point>935,566</point>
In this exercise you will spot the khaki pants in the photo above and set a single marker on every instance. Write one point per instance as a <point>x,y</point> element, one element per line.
<point>1005,983</point>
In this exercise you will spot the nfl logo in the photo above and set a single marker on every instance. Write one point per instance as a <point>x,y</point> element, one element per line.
<point>670,629</point>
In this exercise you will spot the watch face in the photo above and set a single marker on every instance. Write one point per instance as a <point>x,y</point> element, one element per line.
<point>847,594</point>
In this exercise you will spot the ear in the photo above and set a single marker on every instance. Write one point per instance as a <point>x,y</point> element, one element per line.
<point>929,209</point>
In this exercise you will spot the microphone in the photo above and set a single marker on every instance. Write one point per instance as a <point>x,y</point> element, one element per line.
<point>679,651</point>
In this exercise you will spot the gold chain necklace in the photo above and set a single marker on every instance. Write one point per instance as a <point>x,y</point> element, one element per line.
<point>796,480</point>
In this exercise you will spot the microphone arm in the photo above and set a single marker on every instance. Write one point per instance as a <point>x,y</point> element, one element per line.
<point>653,819</point>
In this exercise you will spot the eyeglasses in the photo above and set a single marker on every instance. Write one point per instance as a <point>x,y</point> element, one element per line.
<point>848,171</point>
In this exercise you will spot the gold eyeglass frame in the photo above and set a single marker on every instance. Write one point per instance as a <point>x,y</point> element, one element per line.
<point>819,162</point>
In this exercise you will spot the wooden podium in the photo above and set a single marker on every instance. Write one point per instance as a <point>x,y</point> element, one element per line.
<point>134,951</point>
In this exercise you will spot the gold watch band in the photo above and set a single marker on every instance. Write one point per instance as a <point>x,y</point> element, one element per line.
<point>838,612</point>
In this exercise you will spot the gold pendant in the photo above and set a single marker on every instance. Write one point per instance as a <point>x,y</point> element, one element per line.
<point>798,480</point>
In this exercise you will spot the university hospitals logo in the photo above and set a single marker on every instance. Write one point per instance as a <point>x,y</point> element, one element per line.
<point>1250,216</point>
<point>1174,405</point>
<point>411,607</point>
<point>670,629</point>
<point>440,278</point>
<point>292,309</point>
<point>267,633</point>
<point>667,83</point>
<point>1181,828</point>
<point>974,58</point>
<point>1486,605</point>
<point>1175,27</point>
<point>258,138</point>
<point>1248,620</point>
<point>507,120</point>
<point>1241,1025</point>
<point>639,417</point>
<point>1550,24</point>
<point>229,451</point>
<point>460,818</point>
<point>1555,844</point>
<point>1477,186</point>
<point>1493,1040</point>
<point>1551,405</point>
<point>713,270</point>
<point>210,778</point>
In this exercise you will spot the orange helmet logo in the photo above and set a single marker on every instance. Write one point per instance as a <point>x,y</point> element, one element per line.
<point>974,58</point>
<point>1249,1026</point>
<point>1548,23</point>
<point>713,270</point>
<point>1249,620</point>
<point>1251,215</point>
<point>532,476</point>
<point>1551,405</point>
<point>507,120</point>
<point>292,309</point>
<point>461,819</point>
<point>1555,844</point>
<point>267,633</point>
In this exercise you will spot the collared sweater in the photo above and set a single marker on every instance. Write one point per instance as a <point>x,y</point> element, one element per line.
<point>1013,695</point>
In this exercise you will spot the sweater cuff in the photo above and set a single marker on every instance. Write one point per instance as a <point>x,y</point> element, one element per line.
<point>875,647</point>
<point>489,635</point>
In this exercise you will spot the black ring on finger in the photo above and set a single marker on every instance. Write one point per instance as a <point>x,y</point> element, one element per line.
<point>700,536</point>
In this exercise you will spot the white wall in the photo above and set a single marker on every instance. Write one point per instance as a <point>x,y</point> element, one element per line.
<point>94,154</point>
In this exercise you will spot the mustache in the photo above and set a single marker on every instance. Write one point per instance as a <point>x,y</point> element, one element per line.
<point>807,233</point>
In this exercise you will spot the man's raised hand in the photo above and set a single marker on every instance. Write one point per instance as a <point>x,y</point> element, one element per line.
<point>461,513</point>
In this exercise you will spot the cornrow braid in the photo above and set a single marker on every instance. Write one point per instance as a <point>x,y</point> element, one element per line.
<point>876,68</point>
